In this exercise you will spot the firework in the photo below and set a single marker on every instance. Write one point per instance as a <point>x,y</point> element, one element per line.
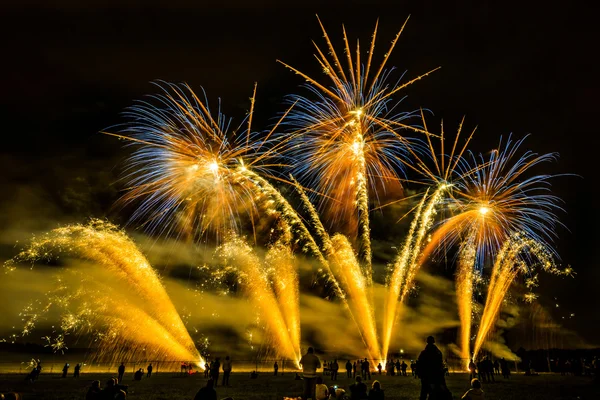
<point>491,199</point>
<point>495,198</point>
<point>143,317</point>
<point>346,140</point>
<point>278,306</point>
<point>187,170</point>
<point>520,254</point>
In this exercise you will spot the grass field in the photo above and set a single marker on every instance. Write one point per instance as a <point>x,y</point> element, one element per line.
<point>170,386</point>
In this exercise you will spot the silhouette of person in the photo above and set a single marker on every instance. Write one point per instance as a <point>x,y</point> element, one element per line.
<point>430,366</point>
<point>226,371</point>
<point>121,373</point>
<point>94,392</point>
<point>472,369</point>
<point>334,370</point>
<point>275,368</point>
<point>207,392</point>
<point>404,366</point>
<point>475,393</point>
<point>349,369</point>
<point>496,367</point>
<point>376,392</point>
<point>76,370</point>
<point>488,369</point>
<point>137,376</point>
<point>379,368</point>
<point>112,391</point>
<point>366,369</point>
<point>206,369</point>
<point>214,371</point>
<point>504,368</point>
<point>149,374</point>
<point>358,390</point>
<point>310,363</point>
<point>398,367</point>
<point>480,371</point>
<point>354,366</point>
<point>65,370</point>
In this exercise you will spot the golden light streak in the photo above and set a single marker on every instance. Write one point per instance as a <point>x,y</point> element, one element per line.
<point>152,321</point>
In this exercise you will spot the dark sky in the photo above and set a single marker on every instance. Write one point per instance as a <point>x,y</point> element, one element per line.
<point>68,70</point>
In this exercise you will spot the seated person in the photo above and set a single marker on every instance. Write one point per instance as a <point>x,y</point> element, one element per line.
<point>207,392</point>
<point>358,390</point>
<point>376,393</point>
<point>94,391</point>
<point>475,393</point>
<point>138,375</point>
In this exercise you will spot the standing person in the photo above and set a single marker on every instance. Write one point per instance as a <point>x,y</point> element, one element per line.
<point>379,368</point>
<point>398,367</point>
<point>480,371</point>
<point>76,370</point>
<point>349,369</point>
<point>310,364</point>
<point>214,371</point>
<point>404,366</point>
<point>334,370</point>
<point>207,392</point>
<point>489,370</point>
<point>504,368</point>
<point>413,368</point>
<point>430,368</point>
<point>149,374</point>
<point>226,371</point>
<point>472,369</point>
<point>366,369</point>
<point>121,373</point>
<point>65,370</point>
<point>354,370</point>
<point>206,369</point>
<point>376,392</point>
<point>275,368</point>
<point>496,367</point>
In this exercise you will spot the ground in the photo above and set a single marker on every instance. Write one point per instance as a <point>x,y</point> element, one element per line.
<point>170,386</point>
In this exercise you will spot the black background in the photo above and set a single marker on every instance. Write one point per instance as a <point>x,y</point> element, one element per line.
<point>69,68</point>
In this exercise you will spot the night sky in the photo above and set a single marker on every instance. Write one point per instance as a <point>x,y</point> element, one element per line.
<point>69,70</point>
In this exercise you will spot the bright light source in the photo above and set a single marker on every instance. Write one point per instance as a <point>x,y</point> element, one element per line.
<point>213,167</point>
<point>483,210</point>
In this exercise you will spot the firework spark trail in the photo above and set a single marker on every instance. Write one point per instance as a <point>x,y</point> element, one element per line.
<point>364,228</point>
<point>285,282</point>
<point>187,170</point>
<point>104,244</point>
<point>297,228</point>
<point>516,256</point>
<point>346,141</point>
<point>350,287</point>
<point>396,279</point>
<point>407,264</point>
<point>236,252</point>
<point>347,269</point>
<point>464,297</point>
